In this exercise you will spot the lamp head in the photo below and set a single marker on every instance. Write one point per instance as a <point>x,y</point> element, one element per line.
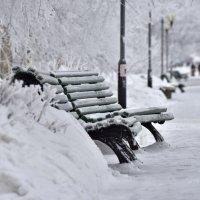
<point>171,19</point>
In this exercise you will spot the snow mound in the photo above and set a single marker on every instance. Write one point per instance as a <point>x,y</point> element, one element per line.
<point>143,96</point>
<point>48,155</point>
<point>138,94</point>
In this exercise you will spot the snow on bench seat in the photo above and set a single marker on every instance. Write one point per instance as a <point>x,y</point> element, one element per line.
<point>98,116</point>
<point>98,109</point>
<point>142,111</point>
<point>154,117</point>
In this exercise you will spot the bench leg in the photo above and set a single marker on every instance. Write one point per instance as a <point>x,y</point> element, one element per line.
<point>158,137</point>
<point>115,136</point>
<point>120,148</point>
<point>181,87</point>
<point>133,144</point>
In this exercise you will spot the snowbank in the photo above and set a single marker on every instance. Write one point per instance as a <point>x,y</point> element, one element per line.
<point>142,96</point>
<point>45,155</point>
<point>138,94</point>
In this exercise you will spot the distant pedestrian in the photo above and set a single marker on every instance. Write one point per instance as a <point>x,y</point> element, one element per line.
<point>193,70</point>
<point>199,69</point>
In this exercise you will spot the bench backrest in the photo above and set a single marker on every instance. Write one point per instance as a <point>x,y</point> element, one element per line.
<point>82,93</point>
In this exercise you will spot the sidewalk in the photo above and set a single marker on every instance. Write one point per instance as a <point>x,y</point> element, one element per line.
<point>172,170</point>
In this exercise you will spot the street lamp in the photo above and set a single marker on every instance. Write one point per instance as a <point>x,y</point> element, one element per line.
<point>122,61</point>
<point>171,22</point>
<point>166,27</point>
<point>162,47</point>
<point>149,72</point>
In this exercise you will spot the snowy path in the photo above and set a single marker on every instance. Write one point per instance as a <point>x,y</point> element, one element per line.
<point>168,171</point>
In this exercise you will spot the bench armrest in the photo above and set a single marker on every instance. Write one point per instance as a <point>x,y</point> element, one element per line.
<point>162,117</point>
<point>142,111</point>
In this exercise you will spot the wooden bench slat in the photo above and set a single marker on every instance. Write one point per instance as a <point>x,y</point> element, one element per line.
<point>91,94</point>
<point>65,106</point>
<point>59,88</point>
<point>154,117</point>
<point>42,78</point>
<point>98,125</point>
<point>85,87</point>
<point>60,74</point>
<point>99,116</point>
<point>80,80</point>
<point>96,117</point>
<point>61,98</point>
<point>98,109</point>
<point>142,111</point>
<point>92,102</point>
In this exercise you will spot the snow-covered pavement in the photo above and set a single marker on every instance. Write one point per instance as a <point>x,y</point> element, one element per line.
<point>172,170</point>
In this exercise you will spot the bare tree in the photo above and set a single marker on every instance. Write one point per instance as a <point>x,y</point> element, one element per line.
<point>5,52</point>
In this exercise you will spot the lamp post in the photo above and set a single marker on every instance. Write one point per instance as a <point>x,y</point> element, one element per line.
<point>167,28</point>
<point>167,46</point>
<point>149,75</point>
<point>162,47</point>
<point>171,22</point>
<point>122,61</point>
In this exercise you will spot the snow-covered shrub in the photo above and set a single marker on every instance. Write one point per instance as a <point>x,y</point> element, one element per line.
<point>36,164</point>
<point>30,102</point>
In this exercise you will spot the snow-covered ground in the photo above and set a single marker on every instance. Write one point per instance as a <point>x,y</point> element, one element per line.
<point>47,155</point>
<point>171,170</point>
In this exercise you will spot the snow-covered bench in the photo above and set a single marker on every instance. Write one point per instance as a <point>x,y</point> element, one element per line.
<point>168,90</point>
<point>165,87</point>
<point>174,83</point>
<point>88,98</point>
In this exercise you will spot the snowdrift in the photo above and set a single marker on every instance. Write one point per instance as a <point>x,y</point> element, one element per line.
<point>45,153</point>
<point>138,94</point>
